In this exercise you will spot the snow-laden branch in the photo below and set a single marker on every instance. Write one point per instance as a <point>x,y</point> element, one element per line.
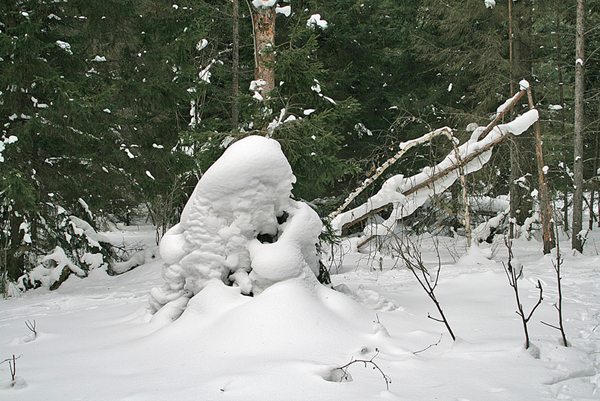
<point>406,194</point>
<point>404,147</point>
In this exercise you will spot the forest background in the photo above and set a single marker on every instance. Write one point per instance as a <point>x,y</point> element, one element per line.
<point>111,110</point>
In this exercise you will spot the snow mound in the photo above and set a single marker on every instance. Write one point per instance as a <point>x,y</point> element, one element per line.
<point>295,318</point>
<point>240,227</point>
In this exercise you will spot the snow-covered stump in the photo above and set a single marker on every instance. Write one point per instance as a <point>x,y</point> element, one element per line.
<point>240,228</point>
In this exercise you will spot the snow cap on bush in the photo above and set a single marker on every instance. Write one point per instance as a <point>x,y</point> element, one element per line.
<point>240,226</point>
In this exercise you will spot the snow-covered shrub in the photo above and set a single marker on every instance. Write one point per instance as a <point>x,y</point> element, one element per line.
<point>65,244</point>
<point>137,259</point>
<point>240,227</point>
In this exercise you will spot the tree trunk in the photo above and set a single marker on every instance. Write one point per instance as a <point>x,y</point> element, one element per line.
<point>594,186</point>
<point>576,240</point>
<point>521,147</point>
<point>547,224</point>
<point>235,68</point>
<point>566,179</point>
<point>264,43</point>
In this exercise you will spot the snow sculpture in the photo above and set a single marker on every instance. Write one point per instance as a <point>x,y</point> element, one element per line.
<point>245,196</point>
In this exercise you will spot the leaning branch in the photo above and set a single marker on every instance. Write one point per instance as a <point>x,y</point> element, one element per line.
<point>460,163</point>
<point>404,147</point>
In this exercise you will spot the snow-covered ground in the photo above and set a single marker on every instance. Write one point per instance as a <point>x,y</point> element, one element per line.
<point>95,341</point>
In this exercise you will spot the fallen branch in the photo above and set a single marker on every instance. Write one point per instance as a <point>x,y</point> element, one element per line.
<point>404,147</point>
<point>438,173</point>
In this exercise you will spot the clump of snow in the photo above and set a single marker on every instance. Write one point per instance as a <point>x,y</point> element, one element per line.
<point>93,237</point>
<point>4,142</point>
<point>243,198</point>
<point>484,230</point>
<point>263,3</point>
<point>316,21</point>
<point>51,268</point>
<point>65,46</point>
<point>99,59</point>
<point>202,44</point>
<point>137,259</point>
<point>257,87</point>
<point>286,10</point>
<point>490,3</point>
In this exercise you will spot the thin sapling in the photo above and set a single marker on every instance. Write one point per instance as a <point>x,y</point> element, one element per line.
<point>514,271</point>
<point>558,305</point>
<point>411,256</point>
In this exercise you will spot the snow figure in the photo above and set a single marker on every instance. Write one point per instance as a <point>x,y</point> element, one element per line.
<point>240,227</point>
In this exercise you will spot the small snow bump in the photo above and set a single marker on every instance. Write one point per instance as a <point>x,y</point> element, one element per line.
<point>523,85</point>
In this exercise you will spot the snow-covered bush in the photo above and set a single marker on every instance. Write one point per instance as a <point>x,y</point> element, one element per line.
<point>65,244</point>
<point>240,227</point>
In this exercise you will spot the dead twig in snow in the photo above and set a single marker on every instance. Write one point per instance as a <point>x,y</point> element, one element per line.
<point>366,362</point>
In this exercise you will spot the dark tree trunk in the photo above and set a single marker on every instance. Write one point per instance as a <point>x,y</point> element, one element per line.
<point>235,68</point>
<point>522,157</point>
<point>576,240</point>
<point>547,224</point>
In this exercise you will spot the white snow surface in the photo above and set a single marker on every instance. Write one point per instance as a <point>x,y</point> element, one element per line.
<point>94,341</point>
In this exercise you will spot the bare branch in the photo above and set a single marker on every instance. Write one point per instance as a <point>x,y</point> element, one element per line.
<point>366,362</point>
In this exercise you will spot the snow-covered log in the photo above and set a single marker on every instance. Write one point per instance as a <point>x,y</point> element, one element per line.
<point>405,194</point>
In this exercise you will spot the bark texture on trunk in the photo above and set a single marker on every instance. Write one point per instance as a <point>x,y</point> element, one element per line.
<point>547,224</point>
<point>264,31</point>
<point>576,240</point>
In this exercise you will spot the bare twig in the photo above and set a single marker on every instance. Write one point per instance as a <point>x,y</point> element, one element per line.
<point>31,326</point>
<point>366,362</point>
<point>430,345</point>
<point>411,255</point>
<point>12,365</point>
<point>558,305</point>
<point>514,274</point>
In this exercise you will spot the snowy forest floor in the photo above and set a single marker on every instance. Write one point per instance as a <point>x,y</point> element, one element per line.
<point>94,341</point>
